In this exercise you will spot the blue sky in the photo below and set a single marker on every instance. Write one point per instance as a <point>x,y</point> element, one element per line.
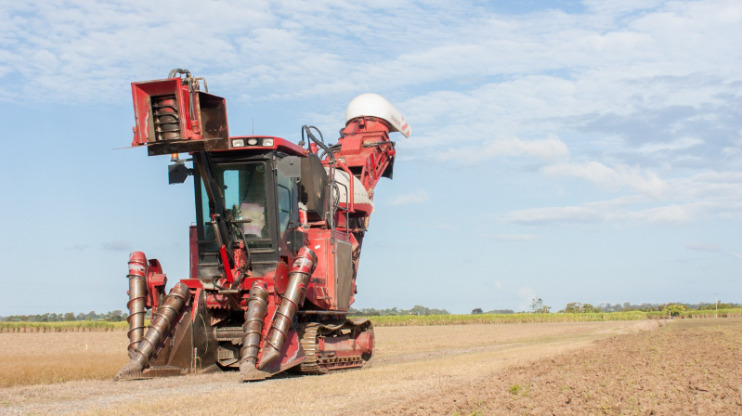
<point>573,151</point>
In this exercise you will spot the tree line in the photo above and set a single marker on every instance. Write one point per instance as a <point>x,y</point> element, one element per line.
<point>577,307</point>
<point>537,306</point>
<point>415,310</point>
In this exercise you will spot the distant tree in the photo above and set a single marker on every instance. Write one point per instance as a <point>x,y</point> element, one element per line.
<point>501,311</point>
<point>419,310</point>
<point>114,316</point>
<point>717,305</point>
<point>588,308</point>
<point>537,306</point>
<point>674,309</point>
<point>69,316</point>
<point>476,311</point>
<point>573,307</point>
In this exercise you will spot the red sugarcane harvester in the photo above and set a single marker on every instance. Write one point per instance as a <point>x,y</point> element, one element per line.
<point>274,253</point>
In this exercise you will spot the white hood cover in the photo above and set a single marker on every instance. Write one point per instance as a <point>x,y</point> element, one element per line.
<point>374,105</point>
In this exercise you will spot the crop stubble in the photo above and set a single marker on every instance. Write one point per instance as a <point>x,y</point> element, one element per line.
<point>417,370</point>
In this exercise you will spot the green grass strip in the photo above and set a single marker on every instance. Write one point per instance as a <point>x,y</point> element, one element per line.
<point>520,318</point>
<point>63,326</point>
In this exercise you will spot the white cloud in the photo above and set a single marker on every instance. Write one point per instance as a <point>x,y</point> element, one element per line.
<point>711,192</point>
<point>525,87</point>
<point>734,150</point>
<point>711,247</point>
<point>545,150</point>
<point>306,48</point>
<point>707,194</point>
<point>419,196</point>
<point>670,214</point>
<point>620,7</point>
<point>679,144</point>
<point>693,245</point>
<point>602,212</point>
<point>646,182</point>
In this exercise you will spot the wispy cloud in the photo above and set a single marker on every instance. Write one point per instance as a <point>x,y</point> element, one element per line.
<point>545,149</point>
<point>696,246</point>
<point>646,182</point>
<point>674,145</point>
<point>684,199</point>
<point>601,212</point>
<point>711,247</point>
<point>419,196</point>
<point>117,246</point>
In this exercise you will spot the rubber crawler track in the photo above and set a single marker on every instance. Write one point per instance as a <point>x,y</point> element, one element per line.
<point>319,362</point>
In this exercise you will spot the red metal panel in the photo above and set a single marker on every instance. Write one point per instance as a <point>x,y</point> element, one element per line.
<point>323,287</point>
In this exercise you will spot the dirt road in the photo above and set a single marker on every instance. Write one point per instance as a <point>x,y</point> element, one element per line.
<point>411,364</point>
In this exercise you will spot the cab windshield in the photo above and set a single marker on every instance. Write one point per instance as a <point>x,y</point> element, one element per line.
<point>245,194</point>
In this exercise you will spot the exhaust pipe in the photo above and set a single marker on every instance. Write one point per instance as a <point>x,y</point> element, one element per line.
<point>299,276</point>
<point>161,322</point>
<point>257,306</point>
<point>137,295</point>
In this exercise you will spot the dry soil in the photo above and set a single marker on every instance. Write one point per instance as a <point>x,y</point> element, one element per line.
<point>611,368</point>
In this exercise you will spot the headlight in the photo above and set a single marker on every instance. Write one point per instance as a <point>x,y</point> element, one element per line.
<point>238,142</point>
<point>268,142</point>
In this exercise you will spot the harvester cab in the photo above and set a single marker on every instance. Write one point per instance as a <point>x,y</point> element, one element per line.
<point>276,245</point>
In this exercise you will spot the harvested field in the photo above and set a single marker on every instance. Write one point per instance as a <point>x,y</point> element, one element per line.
<point>562,368</point>
<point>53,357</point>
<point>689,367</point>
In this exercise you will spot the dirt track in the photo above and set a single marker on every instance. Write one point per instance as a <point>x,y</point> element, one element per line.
<point>417,370</point>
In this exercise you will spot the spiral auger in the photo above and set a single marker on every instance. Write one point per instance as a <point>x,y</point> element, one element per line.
<point>162,320</point>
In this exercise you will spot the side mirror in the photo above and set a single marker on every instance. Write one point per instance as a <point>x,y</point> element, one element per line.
<point>177,173</point>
